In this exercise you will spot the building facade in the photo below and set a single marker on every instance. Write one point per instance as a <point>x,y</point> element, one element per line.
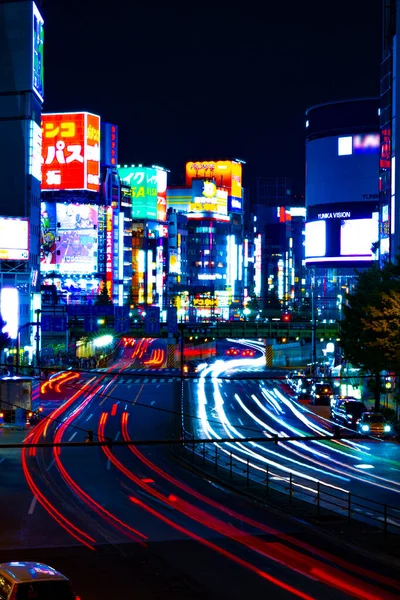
<point>342,197</point>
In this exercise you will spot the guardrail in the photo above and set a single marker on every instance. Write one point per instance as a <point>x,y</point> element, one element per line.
<point>213,457</point>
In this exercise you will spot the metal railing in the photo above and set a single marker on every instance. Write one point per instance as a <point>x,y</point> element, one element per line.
<point>264,480</point>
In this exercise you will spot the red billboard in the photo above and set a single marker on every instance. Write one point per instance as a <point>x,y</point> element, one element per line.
<point>71,151</point>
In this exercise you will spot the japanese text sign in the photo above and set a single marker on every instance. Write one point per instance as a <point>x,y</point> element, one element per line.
<point>225,173</point>
<point>71,151</point>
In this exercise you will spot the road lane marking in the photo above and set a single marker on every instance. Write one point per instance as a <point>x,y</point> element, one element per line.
<point>126,407</point>
<point>153,402</point>
<point>51,464</point>
<point>232,407</point>
<point>1,460</point>
<point>32,506</point>
<point>241,422</point>
<point>72,436</point>
<point>108,394</point>
<point>117,436</point>
<point>89,417</point>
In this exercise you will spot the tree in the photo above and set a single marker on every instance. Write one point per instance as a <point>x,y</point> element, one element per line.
<point>361,334</point>
<point>103,298</point>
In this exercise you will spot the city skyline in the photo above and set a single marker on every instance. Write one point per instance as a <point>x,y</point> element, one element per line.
<point>165,84</point>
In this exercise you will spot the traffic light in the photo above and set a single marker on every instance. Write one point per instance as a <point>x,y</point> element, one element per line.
<point>286,317</point>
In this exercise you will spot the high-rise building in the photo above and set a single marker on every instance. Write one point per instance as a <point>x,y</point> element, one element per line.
<point>21,98</point>
<point>389,176</point>
<point>342,200</point>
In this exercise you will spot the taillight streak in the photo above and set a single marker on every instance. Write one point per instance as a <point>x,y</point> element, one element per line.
<point>244,518</point>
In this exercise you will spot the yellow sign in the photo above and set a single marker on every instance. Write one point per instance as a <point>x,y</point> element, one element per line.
<point>205,302</point>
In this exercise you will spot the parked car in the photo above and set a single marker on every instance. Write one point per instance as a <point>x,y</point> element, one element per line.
<point>374,424</point>
<point>321,393</point>
<point>25,580</point>
<point>347,410</point>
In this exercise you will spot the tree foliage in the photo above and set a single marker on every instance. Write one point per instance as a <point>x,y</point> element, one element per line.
<point>371,312</point>
<point>103,298</point>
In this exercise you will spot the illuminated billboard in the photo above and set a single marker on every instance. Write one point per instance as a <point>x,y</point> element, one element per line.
<point>341,233</point>
<point>71,151</point>
<point>143,182</point>
<point>37,66</point>
<point>14,239</point>
<point>109,144</point>
<point>68,237</point>
<point>207,197</point>
<point>161,195</point>
<point>109,250</point>
<point>226,173</point>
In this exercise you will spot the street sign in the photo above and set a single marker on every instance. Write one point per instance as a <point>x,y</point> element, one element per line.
<point>152,321</point>
<point>172,319</point>
<point>54,323</point>
<point>121,319</point>
<point>91,324</point>
<point>106,310</point>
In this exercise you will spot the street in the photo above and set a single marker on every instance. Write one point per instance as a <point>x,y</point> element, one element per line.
<point>133,517</point>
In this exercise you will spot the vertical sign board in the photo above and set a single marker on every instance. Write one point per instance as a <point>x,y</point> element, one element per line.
<point>71,151</point>
<point>109,145</point>
<point>37,66</point>
<point>109,250</point>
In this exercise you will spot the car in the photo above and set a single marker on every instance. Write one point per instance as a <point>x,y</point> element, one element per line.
<point>233,351</point>
<point>303,387</point>
<point>248,352</point>
<point>321,393</point>
<point>293,378</point>
<point>374,424</point>
<point>347,410</point>
<point>25,580</point>
<point>194,366</point>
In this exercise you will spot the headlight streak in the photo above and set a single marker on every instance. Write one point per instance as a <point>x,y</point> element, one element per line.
<point>229,430</point>
<point>276,551</point>
<point>355,473</point>
<point>232,431</point>
<point>315,427</point>
<point>205,500</point>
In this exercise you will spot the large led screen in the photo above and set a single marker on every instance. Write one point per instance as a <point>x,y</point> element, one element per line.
<point>348,230</point>
<point>14,239</point>
<point>316,238</point>
<point>358,235</point>
<point>77,238</point>
<point>68,237</point>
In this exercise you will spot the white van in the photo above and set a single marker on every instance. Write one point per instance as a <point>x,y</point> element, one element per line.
<point>33,581</point>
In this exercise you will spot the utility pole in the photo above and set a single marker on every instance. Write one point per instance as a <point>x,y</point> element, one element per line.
<point>313,327</point>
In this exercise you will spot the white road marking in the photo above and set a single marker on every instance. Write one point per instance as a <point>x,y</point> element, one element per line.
<point>241,422</point>
<point>153,402</point>
<point>72,436</point>
<point>89,417</point>
<point>126,407</point>
<point>51,464</point>
<point>32,506</point>
<point>232,407</point>
<point>117,436</point>
<point>1,460</point>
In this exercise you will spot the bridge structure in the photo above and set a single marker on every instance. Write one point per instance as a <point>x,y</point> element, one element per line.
<point>273,330</point>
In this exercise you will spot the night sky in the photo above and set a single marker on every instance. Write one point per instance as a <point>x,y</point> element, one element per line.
<point>210,80</point>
